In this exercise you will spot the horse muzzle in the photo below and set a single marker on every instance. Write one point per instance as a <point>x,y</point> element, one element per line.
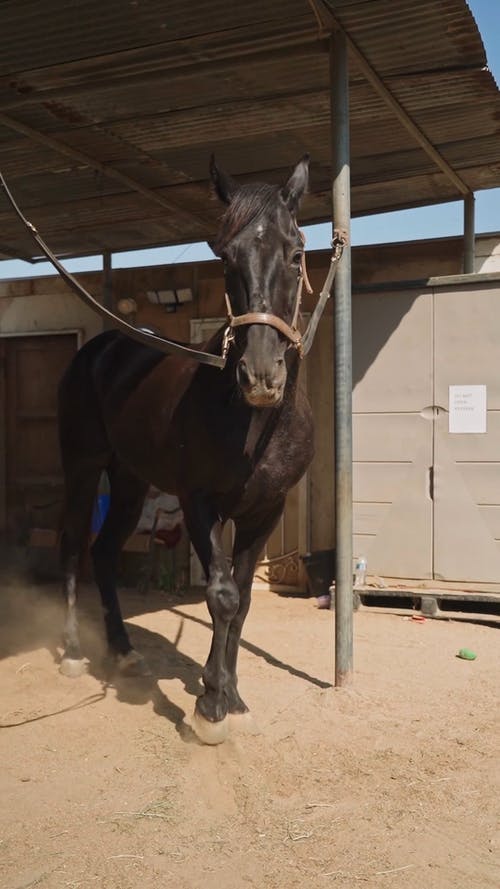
<point>265,389</point>
<point>261,396</point>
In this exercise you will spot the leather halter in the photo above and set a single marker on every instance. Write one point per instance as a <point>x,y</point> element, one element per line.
<point>301,342</point>
<point>289,330</point>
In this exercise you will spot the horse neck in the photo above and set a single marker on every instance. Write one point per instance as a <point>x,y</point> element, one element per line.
<point>292,382</point>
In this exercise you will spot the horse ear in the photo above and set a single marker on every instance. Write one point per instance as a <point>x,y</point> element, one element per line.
<point>296,185</point>
<point>225,186</point>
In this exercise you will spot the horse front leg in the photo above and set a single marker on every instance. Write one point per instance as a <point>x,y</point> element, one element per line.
<point>205,528</point>
<point>249,542</point>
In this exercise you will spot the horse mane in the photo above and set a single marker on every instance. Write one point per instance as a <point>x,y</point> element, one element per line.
<point>249,202</point>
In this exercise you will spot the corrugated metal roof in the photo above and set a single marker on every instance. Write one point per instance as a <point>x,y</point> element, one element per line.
<point>407,36</point>
<point>150,89</point>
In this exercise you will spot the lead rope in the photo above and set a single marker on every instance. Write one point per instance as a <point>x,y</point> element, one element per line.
<point>301,343</point>
<point>148,339</point>
<point>338,243</point>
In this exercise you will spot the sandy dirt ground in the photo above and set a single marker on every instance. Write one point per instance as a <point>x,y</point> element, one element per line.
<point>394,782</point>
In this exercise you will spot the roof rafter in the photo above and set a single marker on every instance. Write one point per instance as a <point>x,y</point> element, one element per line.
<point>105,169</point>
<point>329,21</point>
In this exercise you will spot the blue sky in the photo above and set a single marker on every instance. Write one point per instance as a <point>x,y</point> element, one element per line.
<point>436,221</point>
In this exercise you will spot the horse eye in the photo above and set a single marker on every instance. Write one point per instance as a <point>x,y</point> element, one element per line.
<point>297,257</point>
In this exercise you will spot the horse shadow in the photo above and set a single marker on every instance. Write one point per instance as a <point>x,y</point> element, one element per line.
<point>165,661</point>
<point>32,619</point>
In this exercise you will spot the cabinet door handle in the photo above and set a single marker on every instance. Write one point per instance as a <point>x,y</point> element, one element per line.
<point>431,482</point>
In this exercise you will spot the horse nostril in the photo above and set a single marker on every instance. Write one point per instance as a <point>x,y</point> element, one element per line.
<point>243,373</point>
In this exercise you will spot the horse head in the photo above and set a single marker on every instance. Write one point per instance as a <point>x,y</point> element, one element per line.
<point>262,249</point>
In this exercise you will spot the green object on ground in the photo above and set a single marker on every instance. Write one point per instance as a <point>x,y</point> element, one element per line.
<point>466,654</point>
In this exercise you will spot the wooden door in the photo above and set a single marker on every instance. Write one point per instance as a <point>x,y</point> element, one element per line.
<point>31,488</point>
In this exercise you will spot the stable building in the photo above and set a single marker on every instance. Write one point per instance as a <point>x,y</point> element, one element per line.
<point>105,141</point>
<point>426,495</point>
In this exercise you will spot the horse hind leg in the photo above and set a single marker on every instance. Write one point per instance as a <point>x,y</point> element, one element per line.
<point>127,493</point>
<point>80,490</point>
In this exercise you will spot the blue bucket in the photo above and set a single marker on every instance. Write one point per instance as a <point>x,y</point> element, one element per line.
<point>99,513</point>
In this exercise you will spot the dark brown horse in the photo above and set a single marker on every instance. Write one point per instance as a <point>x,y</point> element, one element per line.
<point>230,443</point>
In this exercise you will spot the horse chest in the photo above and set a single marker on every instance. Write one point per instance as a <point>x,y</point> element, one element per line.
<point>280,467</point>
<point>280,463</point>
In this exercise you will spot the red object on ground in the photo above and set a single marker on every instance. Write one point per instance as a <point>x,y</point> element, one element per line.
<point>169,536</point>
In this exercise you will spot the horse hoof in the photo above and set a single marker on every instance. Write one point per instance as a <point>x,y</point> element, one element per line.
<point>72,667</point>
<point>244,723</point>
<point>133,664</point>
<point>210,732</point>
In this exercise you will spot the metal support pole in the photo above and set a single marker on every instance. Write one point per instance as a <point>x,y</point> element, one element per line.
<point>469,234</point>
<point>107,285</point>
<point>339,90</point>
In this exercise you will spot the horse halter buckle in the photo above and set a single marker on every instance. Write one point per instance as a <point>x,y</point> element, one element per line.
<point>227,339</point>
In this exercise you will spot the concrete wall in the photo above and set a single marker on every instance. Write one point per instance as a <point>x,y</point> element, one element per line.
<point>44,305</point>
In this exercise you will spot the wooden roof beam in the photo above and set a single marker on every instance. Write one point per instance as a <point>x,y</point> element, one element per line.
<point>106,169</point>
